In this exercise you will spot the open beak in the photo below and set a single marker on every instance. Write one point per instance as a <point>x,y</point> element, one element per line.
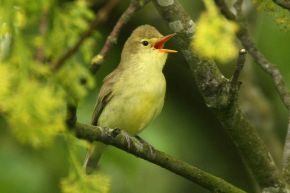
<point>160,44</point>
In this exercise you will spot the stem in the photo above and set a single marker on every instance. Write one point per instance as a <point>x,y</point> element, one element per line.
<point>235,83</point>
<point>270,69</point>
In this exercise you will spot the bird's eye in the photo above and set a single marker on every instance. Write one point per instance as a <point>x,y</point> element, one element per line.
<point>145,43</point>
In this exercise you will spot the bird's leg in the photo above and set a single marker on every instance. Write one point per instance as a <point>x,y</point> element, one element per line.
<point>150,147</point>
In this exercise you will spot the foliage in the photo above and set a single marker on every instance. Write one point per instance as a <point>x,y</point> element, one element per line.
<point>78,181</point>
<point>77,82</point>
<point>33,97</point>
<point>30,93</point>
<point>5,79</point>
<point>83,183</point>
<point>38,104</point>
<point>215,36</point>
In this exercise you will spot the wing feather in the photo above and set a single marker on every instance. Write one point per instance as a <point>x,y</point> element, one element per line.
<point>105,95</point>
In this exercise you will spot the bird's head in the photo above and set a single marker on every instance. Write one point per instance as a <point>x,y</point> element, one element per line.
<point>146,43</point>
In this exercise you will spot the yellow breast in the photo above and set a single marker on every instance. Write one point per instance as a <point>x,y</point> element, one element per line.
<point>133,108</point>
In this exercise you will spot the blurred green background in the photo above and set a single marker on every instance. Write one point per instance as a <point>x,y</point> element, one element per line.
<point>185,129</point>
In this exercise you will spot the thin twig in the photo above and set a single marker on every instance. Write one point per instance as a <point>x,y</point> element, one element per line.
<point>133,7</point>
<point>240,65</point>
<point>269,68</point>
<point>39,55</point>
<point>259,58</point>
<point>100,17</point>
<point>132,145</point>
<point>214,88</point>
<point>235,84</point>
<point>71,115</point>
<point>280,86</point>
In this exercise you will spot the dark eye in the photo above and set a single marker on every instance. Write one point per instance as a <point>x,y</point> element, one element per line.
<point>145,43</point>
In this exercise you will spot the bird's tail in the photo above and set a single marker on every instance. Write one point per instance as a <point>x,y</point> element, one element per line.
<point>93,156</point>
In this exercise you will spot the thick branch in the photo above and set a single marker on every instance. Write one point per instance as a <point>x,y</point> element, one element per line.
<point>215,90</point>
<point>120,139</point>
<point>100,17</point>
<point>286,157</point>
<point>133,7</point>
<point>269,68</point>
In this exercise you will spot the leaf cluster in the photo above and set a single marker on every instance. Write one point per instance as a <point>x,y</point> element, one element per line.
<point>33,97</point>
<point>215,35</point>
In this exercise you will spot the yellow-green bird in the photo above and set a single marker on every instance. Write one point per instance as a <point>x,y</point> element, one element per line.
<point>133,94</point>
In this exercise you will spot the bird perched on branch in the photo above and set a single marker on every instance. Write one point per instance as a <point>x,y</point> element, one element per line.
<point>133,94</point>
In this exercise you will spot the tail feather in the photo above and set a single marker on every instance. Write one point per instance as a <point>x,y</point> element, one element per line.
<point>93,156</point>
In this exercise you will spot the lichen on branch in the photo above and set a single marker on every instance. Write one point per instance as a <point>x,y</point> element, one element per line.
<point>214,87</point>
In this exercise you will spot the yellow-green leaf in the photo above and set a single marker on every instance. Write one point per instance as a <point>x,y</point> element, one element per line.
<point>215,35</point>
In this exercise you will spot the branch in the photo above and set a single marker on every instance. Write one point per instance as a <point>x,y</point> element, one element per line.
<point>133,7</point>
<point>235,84</point>
<point>279,83</point>
<point>238,7</point>
<point>39,55</point>
<point>100,17</point>
<point>286,154</point>
<point>132,145</point>
<point>269,68</point>
<point>214,88</point>
<point>283,3</point>
<point>259,58</point>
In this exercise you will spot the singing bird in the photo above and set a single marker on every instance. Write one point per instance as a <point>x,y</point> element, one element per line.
<point>133,94</point>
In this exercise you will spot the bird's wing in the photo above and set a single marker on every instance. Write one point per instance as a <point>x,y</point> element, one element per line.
<point>105,94</point>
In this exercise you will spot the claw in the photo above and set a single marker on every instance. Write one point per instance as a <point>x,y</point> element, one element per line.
<point>118,131</point>
<point>149,146</point>
<point>128,140</point>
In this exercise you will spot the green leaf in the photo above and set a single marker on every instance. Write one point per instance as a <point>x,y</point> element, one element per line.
<point>94,183</point>
<point>76,80</point>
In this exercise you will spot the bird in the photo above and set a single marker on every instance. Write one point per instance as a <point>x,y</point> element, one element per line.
<point>132,95</point>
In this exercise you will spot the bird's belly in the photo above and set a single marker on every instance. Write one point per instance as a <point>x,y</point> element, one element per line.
<point>132,111</point>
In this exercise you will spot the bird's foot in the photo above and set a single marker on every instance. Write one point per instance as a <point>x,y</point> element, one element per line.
<point>127,139</point>
<point>149,146</point>
<point>126,136</point>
